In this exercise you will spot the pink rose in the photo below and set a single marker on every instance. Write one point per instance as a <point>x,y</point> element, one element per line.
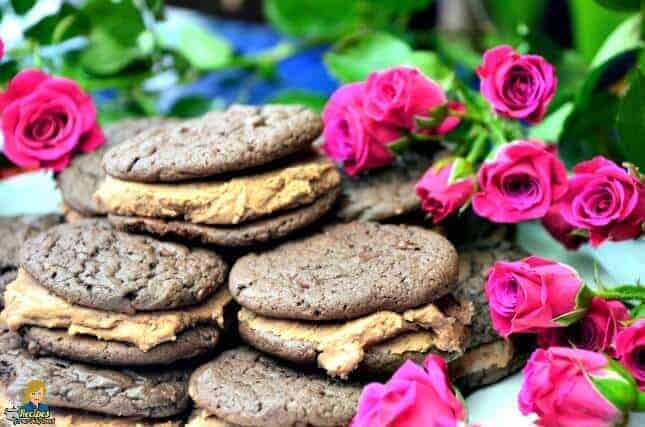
<point>1,48</point>
<point>595,332</point>
<point>530,294</point>
<point>440,194</point>
<point>46,119</point>
<point>604,200</point>
<point>413,397</point>
<point>351,137</point>
<point>396,95</point>
<point>561,386</point>
<point>520,183</point>
<point>630,350</point>
<point>517,86</point>
<point>560,229</point>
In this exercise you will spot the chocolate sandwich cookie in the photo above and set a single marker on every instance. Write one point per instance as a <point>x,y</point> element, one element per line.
<point>244,387</point>
<point>188,344</point>
<point>272,228</point>
<point>346,271</point>
<point>79,181</point>
<point>385,193</point>
<point>93,265</point>
<point>220,142</point>
<point>150,393</point>
<point>14,231</point>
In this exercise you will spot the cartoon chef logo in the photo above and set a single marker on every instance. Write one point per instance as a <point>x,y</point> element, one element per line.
<point>33,409</point>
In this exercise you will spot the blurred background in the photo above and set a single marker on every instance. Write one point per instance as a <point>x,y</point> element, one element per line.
<point>183,58</point>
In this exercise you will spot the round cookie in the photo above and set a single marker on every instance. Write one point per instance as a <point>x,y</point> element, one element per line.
<point>346,271</point>
<point>384,193</point>
<point>91,264</point>
<point>242,386</point>
<point>147,393</point>
<point>191,343</point>
<point>239,138</point>
<point>14,231</point>
<point>245,234</point>
<point>79,181</point>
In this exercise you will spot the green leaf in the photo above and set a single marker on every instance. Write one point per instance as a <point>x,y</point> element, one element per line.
<point>508,15</point>
<point>620,4</point>
<point>551,127</point>
<point>457,50</point>
<point>68,22</point>
<point>625,293</point>
<point>626,39</point>
<point>591,24</point>
<point>202,49</point>
<point>191,106</point>
<point>570,317</point>
<point>638,312</point>
<point>431,65</point>
<point>312,100</point>
<point>617,386</point>
<point>119,18</point>
<point>354,58</point>
<point>313,19</point>
<point>22,6</point>
<point>8,69</point>
<point>105,56</point>
<point>630,122</point>
<point>401,6</point>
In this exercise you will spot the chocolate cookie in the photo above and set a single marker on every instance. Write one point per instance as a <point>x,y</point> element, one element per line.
<point>346,271</point>
<point>79,181</point>
<point>384,193</point>
<point>219,142</point>
<point>126,393</point>
<point>191,343</point>
<point>91,264</point>
<point>14,231</point>
<point>242,386</point>
<point>245,234</point>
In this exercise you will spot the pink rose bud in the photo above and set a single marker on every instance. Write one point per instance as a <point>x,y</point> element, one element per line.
<point>534,293</point>
<point>520,183</point>
<point>572,387</point>
<point>441,191</point>
<point>595,332</point>
<point>413,397</point>
<point>350,137</point>
<point>630,350</point>
<point>605,200</point>
<point>517,86</point>
<point>47,119</point>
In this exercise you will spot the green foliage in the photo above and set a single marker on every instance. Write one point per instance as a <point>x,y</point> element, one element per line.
<point>313,19</point>
<point>591,24</point>
<point>68,22</point>
<point>202,49</point>
<point>105,56</point>
<point>620,4</point>
<point>312,100</point>
<point>22,6</point>
<point>121,20</point>
<point>508,15</point>
<point>191,106</point>
<point>631,121</point>
<point>552,126</point>
<point>353,58</point>
<point>432,66</point>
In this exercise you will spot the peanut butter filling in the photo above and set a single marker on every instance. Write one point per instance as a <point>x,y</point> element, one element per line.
<point>341,346</point>
<point>28,303</point>
<point>221,202</point>
<point>497,354</point>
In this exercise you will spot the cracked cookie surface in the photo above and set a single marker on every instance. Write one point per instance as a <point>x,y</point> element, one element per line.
<point>150,393</point>
<point>219,142</point>
<point>346,271</point>
<point>91,264</point>
<point>242,386</point>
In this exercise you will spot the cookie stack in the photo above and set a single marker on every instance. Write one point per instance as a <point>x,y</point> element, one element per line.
<point>231,178</point>
<point>81,178</point>
<point>102,314</point>
<point>327,299</point>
